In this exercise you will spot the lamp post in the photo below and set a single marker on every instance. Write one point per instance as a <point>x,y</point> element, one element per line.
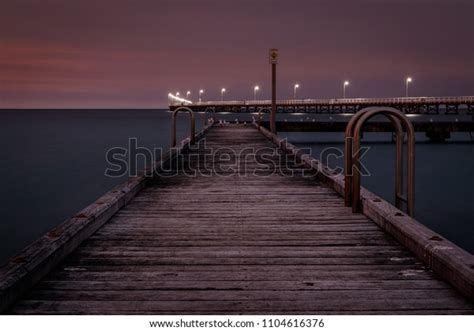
<point>177,94</point>
<point>408,81</point>
<point>222,94</point>
<point>294,90</point>
<point>188,94</point>
<point>200,95</point>
<point>255,90</point>
<point>273,59</point>
<point>346,83</point>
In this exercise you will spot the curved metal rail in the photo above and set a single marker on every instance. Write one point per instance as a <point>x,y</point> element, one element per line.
<point>398,164</point>
<point>352,162</point>
<point>260,115</point>
<point>173,124</point>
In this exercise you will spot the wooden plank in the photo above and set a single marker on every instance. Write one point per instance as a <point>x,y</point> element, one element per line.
<point>234,306</point>
<point>274,285</point>
<point>450,297</point>
<point>403,273</point>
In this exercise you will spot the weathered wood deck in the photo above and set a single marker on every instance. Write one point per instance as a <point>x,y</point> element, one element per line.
<point>241,243</point>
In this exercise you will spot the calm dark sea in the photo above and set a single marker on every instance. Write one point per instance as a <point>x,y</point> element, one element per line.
<point>53,164</point>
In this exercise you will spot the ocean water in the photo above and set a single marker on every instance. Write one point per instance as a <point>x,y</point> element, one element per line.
<point>53,164</point>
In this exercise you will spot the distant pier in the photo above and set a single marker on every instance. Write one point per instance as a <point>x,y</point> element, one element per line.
<point>407,105</point>
<point>436,130</point>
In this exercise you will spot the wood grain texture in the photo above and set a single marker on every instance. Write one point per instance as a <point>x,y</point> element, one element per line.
<point>240,242</point>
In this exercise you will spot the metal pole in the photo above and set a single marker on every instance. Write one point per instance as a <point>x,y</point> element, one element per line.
<point>344,91</point>
<point>398,161</point>
<point>173,129</point>
<point>193,127</point>
<point>273,113</point>
<point>406,89</point>
<point>260,116</point>
<point>348,155</point>
<point>410,169</point>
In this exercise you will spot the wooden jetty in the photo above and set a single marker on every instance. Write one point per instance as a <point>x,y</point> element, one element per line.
<point>252,240</point>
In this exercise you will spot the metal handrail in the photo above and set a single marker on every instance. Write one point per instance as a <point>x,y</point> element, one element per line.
<point>349,134</point>
<point>260,116</point>
<point>352,164</point>
<point>173,124</point>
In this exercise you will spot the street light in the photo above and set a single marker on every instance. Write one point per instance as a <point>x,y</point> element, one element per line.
<point>346,83</point>
<point>408,81</point>
<point>177,94</point>
<point>255,90</point>
<point>188,94</point>
<point>222,94</point>
<point>294,90</point>
<point>200,93</point>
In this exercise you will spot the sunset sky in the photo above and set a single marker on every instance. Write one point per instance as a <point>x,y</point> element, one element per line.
<point>131,53</point>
